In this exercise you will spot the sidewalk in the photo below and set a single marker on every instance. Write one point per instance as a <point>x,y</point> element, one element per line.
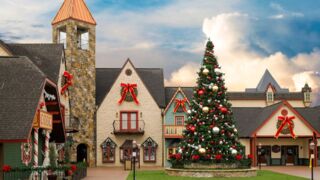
<point>302,171</point>
<point>103,173</point>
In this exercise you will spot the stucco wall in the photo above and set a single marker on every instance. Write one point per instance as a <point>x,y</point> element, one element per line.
<point>270,128</point>
<point>148,108</point>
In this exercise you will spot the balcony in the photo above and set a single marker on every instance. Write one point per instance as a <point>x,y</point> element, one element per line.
<point>128,127</point>
<point>172,131</point>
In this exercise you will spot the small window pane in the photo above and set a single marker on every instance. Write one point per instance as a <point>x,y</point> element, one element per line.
<point>179,120</point>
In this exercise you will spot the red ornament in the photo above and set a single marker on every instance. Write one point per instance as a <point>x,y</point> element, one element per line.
<point>208,156</point>
<point>200,92</point>
<point>6,168</point>
<point>41,105</point>
<point>192,128</point>
<point>238,157</point>
<point>250,156</point>
<point>224,110</point>
<point>218,157</point>
<point>195,157</point>
<point>73,168</point>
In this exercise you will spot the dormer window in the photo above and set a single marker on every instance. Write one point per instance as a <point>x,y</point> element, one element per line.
<point>307,96</point>
<point>270,97</point>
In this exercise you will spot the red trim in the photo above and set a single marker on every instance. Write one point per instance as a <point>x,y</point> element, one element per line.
<point>175,120</point>
<point>13,140</point>
<point>129,120</point>
<point>284,102</point>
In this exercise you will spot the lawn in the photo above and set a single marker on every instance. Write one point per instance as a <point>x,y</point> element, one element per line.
<point>161,175</point>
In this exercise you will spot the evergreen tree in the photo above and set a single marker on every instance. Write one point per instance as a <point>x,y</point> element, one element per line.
<point>210,135</point>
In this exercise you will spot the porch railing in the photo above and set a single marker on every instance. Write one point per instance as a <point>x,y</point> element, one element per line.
<point>128,127</point>
<point>173,131</point>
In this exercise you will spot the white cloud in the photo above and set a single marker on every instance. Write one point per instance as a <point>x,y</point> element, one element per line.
<point>243,66</point>
<point>283,13</point>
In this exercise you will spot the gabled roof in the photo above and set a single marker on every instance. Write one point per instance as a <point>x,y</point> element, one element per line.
<point>74,9</point>
<point>151,77</point>
<point>21,84</point>
<point>170,92</point>
<point>266,80</point>
<point>177,90</point>
<point>47,57</point>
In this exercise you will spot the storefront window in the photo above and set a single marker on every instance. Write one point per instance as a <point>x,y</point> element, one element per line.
<point>149,150</point>
<point>108,151</point>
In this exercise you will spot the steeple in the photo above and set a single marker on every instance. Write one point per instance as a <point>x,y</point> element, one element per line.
<point>74,9</point>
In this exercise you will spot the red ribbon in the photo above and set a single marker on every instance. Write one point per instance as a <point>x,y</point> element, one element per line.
<point>286,120</point>
<point>180,102</point>
<point>69,78</point>
<point>128,88</point>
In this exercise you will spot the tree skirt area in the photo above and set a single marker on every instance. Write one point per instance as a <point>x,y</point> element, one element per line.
<point>212,172</point>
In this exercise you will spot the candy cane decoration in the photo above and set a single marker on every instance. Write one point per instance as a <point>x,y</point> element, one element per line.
<point>35,152</point>
<point>46,148</point>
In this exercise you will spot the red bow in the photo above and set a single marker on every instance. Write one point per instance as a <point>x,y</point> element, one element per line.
<point>180,102</point>
<point>128,88</point>
<point>69,78</point>
<point>286,120</point>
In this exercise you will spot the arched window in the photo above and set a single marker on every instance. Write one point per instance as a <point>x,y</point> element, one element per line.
<point>108,151</point>
<point>149,150</point>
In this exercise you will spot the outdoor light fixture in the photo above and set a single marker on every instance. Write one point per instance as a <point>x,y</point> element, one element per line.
<point>312,147</point>
<point>259,155</point>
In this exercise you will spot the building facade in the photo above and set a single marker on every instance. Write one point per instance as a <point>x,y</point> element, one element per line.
<point>130,102</point>
<point>74,26</point>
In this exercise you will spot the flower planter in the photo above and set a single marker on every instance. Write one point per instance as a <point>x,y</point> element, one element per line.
<point>52,177</point>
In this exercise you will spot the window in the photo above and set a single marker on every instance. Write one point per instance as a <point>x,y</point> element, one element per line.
<point>269,96</point>
<point>63,38</point>
<point>149,150</point>
<point>83,38</point>
<point>108,151</point>
<point>307,97</point>
<point>128,121</point>
<point>179,120</point>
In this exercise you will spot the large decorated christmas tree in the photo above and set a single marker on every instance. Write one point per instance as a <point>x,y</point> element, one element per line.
<point>210,135</point>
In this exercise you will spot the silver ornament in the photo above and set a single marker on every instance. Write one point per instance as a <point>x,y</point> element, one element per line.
<point>215,130</point>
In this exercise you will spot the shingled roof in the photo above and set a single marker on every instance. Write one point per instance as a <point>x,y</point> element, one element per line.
<point>266,80</point>
<point>151,77</point>
<point>47,57</point>
<point>21,84</point>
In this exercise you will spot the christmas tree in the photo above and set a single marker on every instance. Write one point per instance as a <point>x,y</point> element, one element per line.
<point>210,135</point>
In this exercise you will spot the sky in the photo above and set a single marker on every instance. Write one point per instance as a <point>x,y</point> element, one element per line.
<point>250,36</point>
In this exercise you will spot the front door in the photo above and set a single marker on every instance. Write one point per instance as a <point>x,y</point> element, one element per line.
<point>82,153</point>
<point>264,156</point>
<point>289,154</point>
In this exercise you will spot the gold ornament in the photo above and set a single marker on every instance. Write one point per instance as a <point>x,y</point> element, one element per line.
<point>205,109</point>
<point>215,88</point>
<point>205,71</point>
<point>202,150</point>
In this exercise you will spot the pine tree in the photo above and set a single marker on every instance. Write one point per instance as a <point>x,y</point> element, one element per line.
<point>210,135</point>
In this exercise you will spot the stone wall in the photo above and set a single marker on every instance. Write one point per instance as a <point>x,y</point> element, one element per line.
<point>81,64</point>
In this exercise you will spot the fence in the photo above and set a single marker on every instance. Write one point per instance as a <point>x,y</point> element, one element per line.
<point>41,173</point>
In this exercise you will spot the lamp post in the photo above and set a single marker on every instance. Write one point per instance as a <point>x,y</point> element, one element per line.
<point>312,146</point>
<point>134,155</point>
<point>259,155</point>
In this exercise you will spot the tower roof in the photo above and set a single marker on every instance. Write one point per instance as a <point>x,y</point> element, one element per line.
<point>74,9</point>
<point>266,80</point>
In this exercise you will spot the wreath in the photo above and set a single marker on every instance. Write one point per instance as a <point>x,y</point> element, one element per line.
<point>129,97</point>
<point>285,129</point>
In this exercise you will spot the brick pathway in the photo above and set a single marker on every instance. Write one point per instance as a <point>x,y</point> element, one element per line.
<point>102,173</point>
<point>302,171</point>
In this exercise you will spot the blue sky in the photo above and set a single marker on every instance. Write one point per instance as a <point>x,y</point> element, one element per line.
<point>282,35</point>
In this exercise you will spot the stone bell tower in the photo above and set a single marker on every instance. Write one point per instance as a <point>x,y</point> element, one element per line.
<point>75,27</point>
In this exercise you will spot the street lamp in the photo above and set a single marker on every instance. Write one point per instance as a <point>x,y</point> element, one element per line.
<point>312,146</point>
<point>134,155</point>
<point>259,155</point>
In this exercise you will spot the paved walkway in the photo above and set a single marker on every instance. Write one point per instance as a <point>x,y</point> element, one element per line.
<point>102,173</point>
<point>302,171</point>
